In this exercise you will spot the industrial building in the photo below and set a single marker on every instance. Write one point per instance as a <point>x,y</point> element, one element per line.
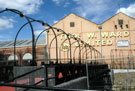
<point>117,35</point>
<point>23,51</point>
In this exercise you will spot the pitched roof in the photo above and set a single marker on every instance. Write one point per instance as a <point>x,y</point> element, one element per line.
<point>20,43</point>
<point>91,21</point>
<point>116,15</point>
<point>75,15</point>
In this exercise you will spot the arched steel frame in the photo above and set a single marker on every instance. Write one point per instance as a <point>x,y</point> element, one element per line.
<point>90,52</point>
<point>85,52</point>
<point>32,30</point>
<point>84,46</point>
<point>54,38</point>
<point>60,30</point>
<point>71,45</point>
<point>34,41</point>
<point>52,42</point>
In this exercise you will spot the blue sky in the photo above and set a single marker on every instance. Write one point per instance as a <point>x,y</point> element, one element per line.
<point>51,11</point>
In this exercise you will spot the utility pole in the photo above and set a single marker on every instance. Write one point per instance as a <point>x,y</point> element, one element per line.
<point>100,28</point>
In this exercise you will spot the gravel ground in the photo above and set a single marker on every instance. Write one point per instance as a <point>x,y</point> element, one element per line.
<point>124,81</point>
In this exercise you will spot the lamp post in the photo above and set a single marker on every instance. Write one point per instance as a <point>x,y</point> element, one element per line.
<point>100,28</point>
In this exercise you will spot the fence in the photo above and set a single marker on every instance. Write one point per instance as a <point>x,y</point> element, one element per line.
<point>39,78</point>
<point>29,75</point>
<point>122,71</point>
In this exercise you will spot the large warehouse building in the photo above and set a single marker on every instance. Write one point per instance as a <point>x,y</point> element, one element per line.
<point>117,34</point>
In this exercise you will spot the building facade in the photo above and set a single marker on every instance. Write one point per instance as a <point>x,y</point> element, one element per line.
<point>23,52</point>
<point>117,34</point>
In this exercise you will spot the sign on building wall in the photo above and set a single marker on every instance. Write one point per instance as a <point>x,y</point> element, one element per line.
<point>123,43</point>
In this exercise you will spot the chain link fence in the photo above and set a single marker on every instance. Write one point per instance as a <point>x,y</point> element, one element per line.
<point>122,71</point>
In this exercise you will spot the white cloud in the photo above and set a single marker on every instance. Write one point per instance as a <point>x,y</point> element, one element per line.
<point>55,21</point>
<point>86,7</point>
<point>38,32</point>
<point>95,9</point>
<point>27,6</point>
<point>83,14</point>
<point>130,10</point>
<point>95,19</point>
<point>6,23</point>
<point>65,3</point>
<point>57,1</point>
<point>5,37</point>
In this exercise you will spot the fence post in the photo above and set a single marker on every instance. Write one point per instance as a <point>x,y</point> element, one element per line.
<point>87,71</point>
<point>46,71</point>
<point>112,76</point>
<point>127,73</point>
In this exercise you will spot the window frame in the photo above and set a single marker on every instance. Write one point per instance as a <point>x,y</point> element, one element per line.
<point>72,24</point>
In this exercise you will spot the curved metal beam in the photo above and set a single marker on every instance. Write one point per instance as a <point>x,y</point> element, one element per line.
<point>16,39</point>
<point>86,51</point>
<point>32,30</point>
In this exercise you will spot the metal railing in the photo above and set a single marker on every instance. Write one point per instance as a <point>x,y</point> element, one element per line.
<point>27,78</point>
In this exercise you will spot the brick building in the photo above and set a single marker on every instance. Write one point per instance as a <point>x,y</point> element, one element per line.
<point>117,34</point>
<point>23,51</point>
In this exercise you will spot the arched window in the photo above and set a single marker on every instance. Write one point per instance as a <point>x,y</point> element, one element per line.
<point>27,59</point>
<point>11,57</point>
<point>27,56</point>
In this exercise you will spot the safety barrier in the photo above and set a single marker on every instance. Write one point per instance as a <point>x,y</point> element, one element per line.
<point>121,76</point>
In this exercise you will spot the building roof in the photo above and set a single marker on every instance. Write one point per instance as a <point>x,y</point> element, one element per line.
<point>75,15</point>
<point>21,43</point>
<point>116,15</point>
<point>92,21</point>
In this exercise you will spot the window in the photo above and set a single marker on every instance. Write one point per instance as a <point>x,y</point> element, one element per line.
<point>72,24</point>
<point>120,22</point>
<point>115,26</point>
<point>121,26</point>
<point>126,25</point>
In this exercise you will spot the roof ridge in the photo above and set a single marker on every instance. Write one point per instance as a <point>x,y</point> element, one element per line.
<point>116,15</point>
<point>92,21</point>
<point>76,15</point>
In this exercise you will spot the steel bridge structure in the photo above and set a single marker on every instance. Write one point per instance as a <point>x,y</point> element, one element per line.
<point>61,72</point>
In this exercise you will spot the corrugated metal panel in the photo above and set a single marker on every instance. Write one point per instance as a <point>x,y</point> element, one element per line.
<point>21,43</point>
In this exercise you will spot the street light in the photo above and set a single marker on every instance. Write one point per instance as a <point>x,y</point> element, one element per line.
<point>100,28</point>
